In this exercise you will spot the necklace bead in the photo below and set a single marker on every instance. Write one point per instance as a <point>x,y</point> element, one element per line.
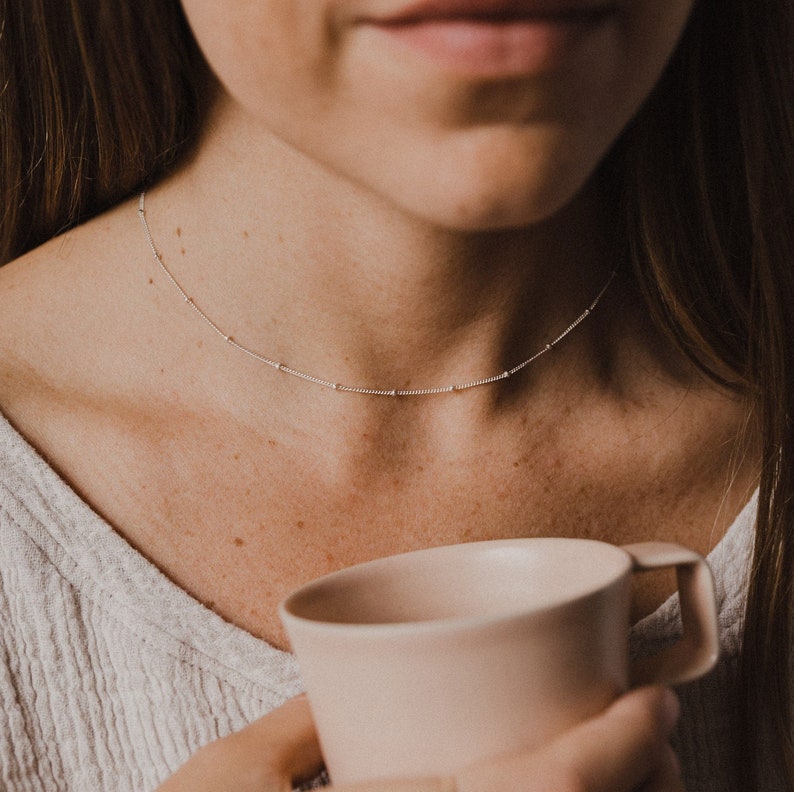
<point>363,390</point>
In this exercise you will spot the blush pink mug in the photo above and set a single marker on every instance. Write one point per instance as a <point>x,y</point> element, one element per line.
<point>422,663</point>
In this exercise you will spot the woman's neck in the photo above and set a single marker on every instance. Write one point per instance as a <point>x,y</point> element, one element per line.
<point>329,278</point>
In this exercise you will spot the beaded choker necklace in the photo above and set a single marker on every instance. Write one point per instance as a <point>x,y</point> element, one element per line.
<point>362,389</point>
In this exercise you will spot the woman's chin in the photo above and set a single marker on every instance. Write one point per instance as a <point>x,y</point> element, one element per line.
<point>492,207</point>
<point>485,182</point>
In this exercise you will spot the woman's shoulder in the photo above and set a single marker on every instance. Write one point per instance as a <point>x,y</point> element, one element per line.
<point>51,298</point>
<point>68,326</point>
<point>40,323</point>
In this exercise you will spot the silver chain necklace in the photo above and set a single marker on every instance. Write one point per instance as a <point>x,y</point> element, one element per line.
<point>368,391</point>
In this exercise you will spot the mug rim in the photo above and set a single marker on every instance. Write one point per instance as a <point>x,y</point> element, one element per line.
<point>288,614</point>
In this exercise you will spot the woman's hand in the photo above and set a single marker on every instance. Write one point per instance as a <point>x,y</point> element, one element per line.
<point>625,749</point>
<point>270,755</point>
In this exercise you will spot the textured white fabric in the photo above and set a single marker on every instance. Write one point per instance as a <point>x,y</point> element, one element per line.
<point>111,676</point>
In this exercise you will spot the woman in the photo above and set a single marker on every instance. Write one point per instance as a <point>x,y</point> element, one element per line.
<point>391,197</point>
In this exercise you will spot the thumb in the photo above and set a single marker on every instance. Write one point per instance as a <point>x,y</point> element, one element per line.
<point>624,746</point>
<point>616,751</point>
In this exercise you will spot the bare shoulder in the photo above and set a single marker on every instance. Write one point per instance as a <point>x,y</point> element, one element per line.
<point>38,303</point>
<point>62,313</point>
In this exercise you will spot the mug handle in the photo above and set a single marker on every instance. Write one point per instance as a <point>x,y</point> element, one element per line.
<point>696,653</point>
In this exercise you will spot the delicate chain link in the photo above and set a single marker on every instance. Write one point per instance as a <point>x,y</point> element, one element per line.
<point>368,391</point>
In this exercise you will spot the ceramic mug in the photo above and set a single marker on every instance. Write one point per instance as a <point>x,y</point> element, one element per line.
<point>421,663</point>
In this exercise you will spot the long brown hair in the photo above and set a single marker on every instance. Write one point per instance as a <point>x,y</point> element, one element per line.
<point>96,101</point>
<point>708,169</point>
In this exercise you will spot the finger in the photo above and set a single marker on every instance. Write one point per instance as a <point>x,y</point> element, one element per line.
<point>621,748</point>
<point>429,784</point>
<point>616,751</point>
<point>270,755</point>
<point>286,741</point>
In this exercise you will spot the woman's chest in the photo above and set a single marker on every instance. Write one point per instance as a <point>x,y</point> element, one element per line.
<point>238,533</point>
<point>238,516</point>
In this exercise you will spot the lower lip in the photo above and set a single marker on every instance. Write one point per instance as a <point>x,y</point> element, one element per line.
<point>488,48</point>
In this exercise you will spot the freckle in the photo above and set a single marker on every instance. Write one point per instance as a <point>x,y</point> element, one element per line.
<point>199,343</point>
<point>272,443</point>
<point>182,251</point>
<point>238,541</point>
<point>162,371</point>
<point>280,238</point>
<point>421,468</point>
<point>515,464</point>
<point>178,231</point>
<point>236,457</point>
<point>300,524</point>
<point>245,234</point>
<point>151,281</point>
<point>329,557</point>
